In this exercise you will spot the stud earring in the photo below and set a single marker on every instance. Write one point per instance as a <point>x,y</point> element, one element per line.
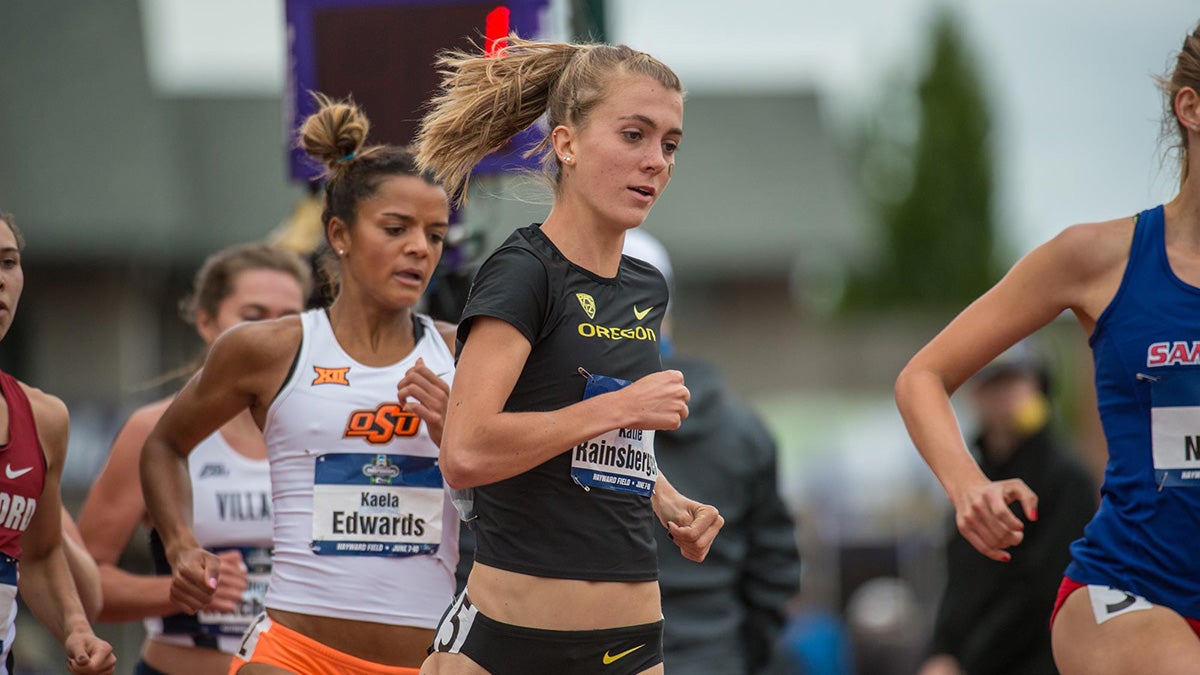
<point>341,252</point>
<point>567,159</point>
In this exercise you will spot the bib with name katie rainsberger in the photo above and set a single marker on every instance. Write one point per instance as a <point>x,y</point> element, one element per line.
<point>621,460</point>
<point>1175,429</point>
<point>377,505</point>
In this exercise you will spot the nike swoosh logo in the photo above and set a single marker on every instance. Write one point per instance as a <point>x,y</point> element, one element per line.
<point>1118,606</point>
<point>610,659</point>
<point>642,314</point>
<point>13,475</point>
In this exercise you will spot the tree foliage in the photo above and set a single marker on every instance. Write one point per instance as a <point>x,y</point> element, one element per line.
<point>938,231</point>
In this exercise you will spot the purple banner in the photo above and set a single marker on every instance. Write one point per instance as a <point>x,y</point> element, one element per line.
<point>381,53</point>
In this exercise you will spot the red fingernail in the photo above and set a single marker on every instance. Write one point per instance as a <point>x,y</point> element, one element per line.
<point>1033,514</point>
<point>1006,558</point>
<point>212,582</point>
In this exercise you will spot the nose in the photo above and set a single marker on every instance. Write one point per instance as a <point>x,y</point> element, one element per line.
<point>655,161</point>
<point>418,242</point>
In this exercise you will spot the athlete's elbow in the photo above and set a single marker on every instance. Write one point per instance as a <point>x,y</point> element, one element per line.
<point>459,472</point>
<point>902,385</point>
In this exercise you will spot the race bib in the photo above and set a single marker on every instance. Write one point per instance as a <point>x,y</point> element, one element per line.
<point>621,460</point>
<point>258,573</point>
<point>1175,429</point>
<point>377,505</point>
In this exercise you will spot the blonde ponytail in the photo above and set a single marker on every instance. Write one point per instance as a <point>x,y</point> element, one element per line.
<point>485,101</point>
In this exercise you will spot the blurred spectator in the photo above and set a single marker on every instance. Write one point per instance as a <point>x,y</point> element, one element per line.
<point>723,616</point>
<point>883,617</point>
<point>994,617</point>
<point>815,642</point>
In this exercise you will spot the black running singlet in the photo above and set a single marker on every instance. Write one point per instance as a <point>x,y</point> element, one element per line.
<point>545,522</point>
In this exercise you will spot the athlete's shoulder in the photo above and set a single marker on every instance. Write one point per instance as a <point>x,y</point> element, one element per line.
<point>46,407</point>
<point>51,418</point>
<point>261,341</point>
<point>145,417</point>
<point>1093,249</point>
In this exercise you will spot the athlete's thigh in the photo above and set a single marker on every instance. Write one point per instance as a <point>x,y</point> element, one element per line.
<point>443,663</point>
<point>1154,640</point>
<point>263,669</point>
<point>654,670</point>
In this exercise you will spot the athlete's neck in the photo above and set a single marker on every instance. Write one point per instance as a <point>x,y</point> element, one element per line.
<point>1183,212</point>
<point>588,242</point>
<point>371,335</point>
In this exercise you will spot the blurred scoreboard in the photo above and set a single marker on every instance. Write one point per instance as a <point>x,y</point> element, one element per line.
<point>381,52</point>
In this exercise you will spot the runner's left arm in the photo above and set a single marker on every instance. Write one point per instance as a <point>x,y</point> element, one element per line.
<point>693,526</point>
<point>46,583</point>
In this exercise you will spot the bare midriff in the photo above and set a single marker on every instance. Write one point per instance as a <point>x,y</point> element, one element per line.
<point>562,604</point>
<point>376,642</point>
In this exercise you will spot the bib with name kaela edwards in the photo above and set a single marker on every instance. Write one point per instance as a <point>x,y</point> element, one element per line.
<point>377,505</point>
<point>621,460</point>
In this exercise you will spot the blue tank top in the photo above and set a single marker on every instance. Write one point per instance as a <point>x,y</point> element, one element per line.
<point>1145,538</point>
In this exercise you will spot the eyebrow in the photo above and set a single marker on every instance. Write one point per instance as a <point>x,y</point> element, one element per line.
<point>9,249</point>
<point>651,123</point>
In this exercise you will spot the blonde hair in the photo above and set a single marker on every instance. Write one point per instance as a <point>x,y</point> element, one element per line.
<point>1186,73</point>
<point>485,101</point>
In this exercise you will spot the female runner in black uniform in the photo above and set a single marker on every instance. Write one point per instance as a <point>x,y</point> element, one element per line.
<point>559,385</point>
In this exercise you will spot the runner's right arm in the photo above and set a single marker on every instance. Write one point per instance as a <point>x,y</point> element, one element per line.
<point>1080,270</point>
<point>111,515</point>
<point>244,369</point>
<point>483,444</point>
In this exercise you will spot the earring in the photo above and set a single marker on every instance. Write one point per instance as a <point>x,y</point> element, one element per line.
<point>567,159</point>
<point>341,252</point>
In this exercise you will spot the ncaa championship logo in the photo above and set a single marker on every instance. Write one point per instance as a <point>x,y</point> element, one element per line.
<point>381,471</point>
<point>588,304</point>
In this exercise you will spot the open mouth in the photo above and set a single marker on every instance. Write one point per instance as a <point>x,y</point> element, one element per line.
<point>644,191</point>
<point>410,277</point>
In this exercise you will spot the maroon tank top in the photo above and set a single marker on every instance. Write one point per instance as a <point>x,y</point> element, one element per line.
<point>22,467</point>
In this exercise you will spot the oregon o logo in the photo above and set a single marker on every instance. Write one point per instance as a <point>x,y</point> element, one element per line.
<point>382,424</point>
<point>587,303</point>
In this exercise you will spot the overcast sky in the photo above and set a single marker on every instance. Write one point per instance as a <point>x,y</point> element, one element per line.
<point>1075,109</point>
<point>1076,112</point>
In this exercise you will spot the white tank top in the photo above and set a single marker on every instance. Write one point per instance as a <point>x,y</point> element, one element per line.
<point>231,509</point>
<point>364,527</point>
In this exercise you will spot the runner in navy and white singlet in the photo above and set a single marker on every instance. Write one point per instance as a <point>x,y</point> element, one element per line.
<point>1130,599</point>
<point>231,485</point>
<point>350,400</point>
<point>33,447</point>
<point>559,387</point>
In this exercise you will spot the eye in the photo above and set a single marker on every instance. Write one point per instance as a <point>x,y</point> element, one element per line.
<point>632,134</point>
<point>670,147</point>
<point>394,230</point>
<point>437,237</point>
<point>10,262</point>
